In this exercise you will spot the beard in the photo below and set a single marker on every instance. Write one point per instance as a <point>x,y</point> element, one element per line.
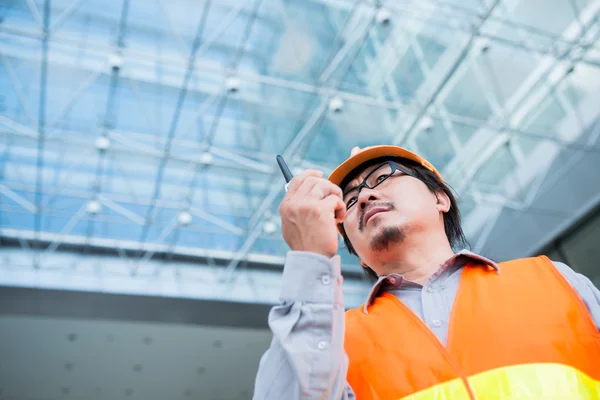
<point>389,235</point>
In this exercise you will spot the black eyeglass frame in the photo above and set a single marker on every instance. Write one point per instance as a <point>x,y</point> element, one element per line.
<point>393,166</point>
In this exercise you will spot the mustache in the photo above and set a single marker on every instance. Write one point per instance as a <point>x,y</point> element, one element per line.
<point>361,221</point>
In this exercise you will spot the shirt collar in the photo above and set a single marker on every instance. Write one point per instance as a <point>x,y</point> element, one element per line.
<point>459,259</point>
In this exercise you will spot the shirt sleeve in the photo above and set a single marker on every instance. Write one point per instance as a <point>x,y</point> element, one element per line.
<point>585,288</point>
<point>306,359</point>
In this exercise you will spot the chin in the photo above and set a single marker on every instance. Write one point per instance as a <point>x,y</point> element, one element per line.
<point>386,236</point>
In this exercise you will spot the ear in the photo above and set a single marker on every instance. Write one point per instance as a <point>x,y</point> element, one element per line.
<point>364,265</point>
<point>443,201</point>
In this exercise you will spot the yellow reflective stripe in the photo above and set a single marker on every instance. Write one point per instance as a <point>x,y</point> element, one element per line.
<point>454,389</point>
<point>535,381</point>
<point>527,381</point>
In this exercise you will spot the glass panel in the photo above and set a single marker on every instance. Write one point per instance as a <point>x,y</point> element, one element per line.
<point>537,15</point>
<point>357,125</point>
<point>505,68</point>
<point>467,98</point>
<point>543,118</point>
<point>407,75</point>
<point>500,165</point>
<point>431,47</point>
<point>434,144</point>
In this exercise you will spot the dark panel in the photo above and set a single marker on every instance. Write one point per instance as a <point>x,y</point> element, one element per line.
<point>93,305</point>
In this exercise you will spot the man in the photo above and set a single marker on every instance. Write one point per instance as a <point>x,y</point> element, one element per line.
<point>438,324</point>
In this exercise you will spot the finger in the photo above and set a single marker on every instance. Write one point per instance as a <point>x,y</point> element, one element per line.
<point>297,181</point>
<point>331,188</point>
<point>308,185</point>
<point>324,188</point>
<point>336,206</point>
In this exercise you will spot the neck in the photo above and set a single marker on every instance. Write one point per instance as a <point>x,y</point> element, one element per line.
<point>417,259</point>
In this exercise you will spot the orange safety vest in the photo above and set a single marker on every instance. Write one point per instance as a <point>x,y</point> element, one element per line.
<point>522,333</point>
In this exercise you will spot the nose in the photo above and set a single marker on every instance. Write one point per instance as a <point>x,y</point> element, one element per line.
<point>367,195</point>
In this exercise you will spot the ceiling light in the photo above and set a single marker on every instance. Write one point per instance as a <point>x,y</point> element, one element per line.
<point>232,84</point>
<point>383,16</point>
<point>102,143</point>
<point>205,158</point>
<point>336,104</point>
<point>93,207</point>
<point>184,218</point>
<point>115,60</point>
<point>269,227</point>
<point>426,125</point>
<point>483,44</point>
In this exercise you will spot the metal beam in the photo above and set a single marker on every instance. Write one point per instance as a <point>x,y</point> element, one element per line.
<point>178,280</point>
<point>35,13</point>
<point>73,7</point>
<point>112,200</point>
<point>133,217</point>
<point>208,69</point>
<point>18,89</point>
<point>80,91</point>
<point>23,202</point>
<point>41,126</point>
<point>109,113</point>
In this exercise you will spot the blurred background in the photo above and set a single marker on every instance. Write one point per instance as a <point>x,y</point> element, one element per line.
<point>140,240</point>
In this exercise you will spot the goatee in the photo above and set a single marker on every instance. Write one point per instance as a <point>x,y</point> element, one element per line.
<point>388,235</point>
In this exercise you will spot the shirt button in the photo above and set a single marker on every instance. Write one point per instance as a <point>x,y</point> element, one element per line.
<point>325,279</point>
<point>430,289</point>
<point>442,287</point>
<point>322,345</point>
<point>392,280</point>
<point>436,322</point>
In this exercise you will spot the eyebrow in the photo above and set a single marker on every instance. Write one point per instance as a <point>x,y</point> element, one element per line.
<point>349,190</point>
<point>373,168</point>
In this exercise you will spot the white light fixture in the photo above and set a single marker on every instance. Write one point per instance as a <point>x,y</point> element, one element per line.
<point>115,60</point>
<point>383,16</point>
<point>102,143</point>
<point>336,104</point>
<point>426,125</point>
<point>483,44</point>
<point>269,227</point>
<point>205,158</point>
<point>232,84</point>
<point>184,218</point>
<point>93,207</point>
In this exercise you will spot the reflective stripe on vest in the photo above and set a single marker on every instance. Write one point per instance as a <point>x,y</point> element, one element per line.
<point>530,381</point>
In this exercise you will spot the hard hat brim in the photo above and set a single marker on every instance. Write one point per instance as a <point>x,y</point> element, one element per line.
<point>345,168</point>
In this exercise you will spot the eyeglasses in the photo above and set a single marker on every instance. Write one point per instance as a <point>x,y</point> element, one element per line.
<point>374,179</point>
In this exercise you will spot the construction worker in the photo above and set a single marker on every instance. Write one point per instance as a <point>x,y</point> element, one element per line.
<point>440,322</point>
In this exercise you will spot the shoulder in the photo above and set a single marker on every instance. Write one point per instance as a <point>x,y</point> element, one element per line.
<point>354,315</point>
<point>585,289</point>
<point>541,261</point>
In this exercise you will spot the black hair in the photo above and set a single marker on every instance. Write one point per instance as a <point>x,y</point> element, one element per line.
<point>452,219</point>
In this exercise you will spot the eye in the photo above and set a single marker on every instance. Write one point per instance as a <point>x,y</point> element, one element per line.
<point>350,202</point>
<point>382,178</point>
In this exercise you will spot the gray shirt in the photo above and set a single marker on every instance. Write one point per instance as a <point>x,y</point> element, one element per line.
<point>306,359</point>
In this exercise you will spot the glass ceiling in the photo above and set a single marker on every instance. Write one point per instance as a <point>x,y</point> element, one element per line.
<point>153,126</point>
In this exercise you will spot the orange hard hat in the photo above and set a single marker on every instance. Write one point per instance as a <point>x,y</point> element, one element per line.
<point>360,156</point>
